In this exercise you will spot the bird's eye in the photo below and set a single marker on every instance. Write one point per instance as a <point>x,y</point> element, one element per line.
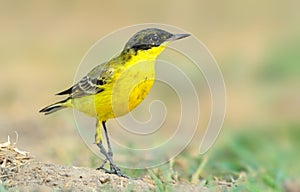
<point>155,38</point>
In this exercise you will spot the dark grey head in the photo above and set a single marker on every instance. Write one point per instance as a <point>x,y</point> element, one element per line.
<point>151,37</point>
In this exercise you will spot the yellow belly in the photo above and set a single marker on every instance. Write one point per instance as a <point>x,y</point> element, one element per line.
<point>130,85</point>
<point>120,96</point>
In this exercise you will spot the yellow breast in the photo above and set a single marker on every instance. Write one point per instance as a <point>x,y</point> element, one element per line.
<point>130,85</point>
<point>133,83</point>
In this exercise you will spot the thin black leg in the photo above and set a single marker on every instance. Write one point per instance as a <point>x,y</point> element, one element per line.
<point>98,139</point>
<point>101,167</point>
<point>114,169</point>
<point>109,152</point>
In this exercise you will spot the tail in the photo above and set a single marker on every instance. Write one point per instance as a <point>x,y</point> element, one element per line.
<point>56,106</point>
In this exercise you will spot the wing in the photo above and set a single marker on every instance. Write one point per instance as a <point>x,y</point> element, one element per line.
<point>93,83</point>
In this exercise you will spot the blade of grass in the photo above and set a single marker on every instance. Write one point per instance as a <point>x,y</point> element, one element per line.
<point>157,181</point>
<point>196,175</point>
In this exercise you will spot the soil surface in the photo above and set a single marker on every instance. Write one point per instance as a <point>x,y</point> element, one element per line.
<point>20,172</point>
<point>39,175</point>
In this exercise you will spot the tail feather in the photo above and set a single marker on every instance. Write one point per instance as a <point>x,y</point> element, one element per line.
<point>55,107</point>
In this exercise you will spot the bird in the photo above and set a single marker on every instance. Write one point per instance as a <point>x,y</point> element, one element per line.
<point>114,88</point>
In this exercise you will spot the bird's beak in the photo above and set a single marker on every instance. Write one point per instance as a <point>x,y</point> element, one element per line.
<point>178,36</point>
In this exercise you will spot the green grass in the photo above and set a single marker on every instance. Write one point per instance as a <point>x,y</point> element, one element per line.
<point>251,159</point>
<point>264,155</point>
<point>2,188</point>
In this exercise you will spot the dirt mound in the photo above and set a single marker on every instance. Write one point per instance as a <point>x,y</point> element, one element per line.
<point>36,174</point>
<point>20,171</point>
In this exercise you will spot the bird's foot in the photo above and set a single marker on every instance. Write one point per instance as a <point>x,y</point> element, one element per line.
<point>116,171</point>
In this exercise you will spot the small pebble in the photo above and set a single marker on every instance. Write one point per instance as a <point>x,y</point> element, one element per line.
<point>103,179</point>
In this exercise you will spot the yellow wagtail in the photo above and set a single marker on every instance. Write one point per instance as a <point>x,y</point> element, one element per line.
<point>116,87</point>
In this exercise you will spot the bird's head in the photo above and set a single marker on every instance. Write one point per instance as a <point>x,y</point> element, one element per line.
<point>151,37</point>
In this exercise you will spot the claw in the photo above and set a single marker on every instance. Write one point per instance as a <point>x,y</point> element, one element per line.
<point>119,173</point>
<point>113,170</point>
<point>116,170</point>
<point>102,168</point>
<point>102,165</point>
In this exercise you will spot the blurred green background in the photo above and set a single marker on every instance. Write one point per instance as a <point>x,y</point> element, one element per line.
<point>256,44</point>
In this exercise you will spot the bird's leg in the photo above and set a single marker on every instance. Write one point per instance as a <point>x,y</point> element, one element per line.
<point>114,169</point>
<point>109,152</point>
<point>103,151</point>
<point>98,141</point>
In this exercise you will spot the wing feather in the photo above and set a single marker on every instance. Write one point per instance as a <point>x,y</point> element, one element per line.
<point>93,83</point>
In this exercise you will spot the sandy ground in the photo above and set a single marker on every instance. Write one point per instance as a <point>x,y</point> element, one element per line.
<point>21,172</point>
<point>49,176</point>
